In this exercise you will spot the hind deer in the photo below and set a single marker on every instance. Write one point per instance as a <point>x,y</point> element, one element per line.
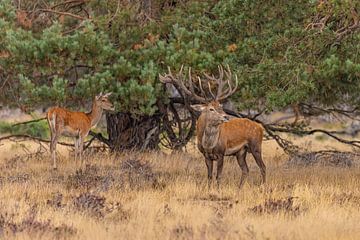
<point>63,122</point>
<point>217,134</point>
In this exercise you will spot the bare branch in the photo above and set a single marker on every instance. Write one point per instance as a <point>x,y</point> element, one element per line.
<point>25,136</point>
<point>63,13</point>
<point>27,122</point>
<point>68,2</point>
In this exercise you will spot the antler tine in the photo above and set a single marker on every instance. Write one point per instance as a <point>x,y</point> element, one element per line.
<point>166,78</point>
<point>231,90</point>
<point>212,94</point>
<point>181,69</point>
<point>200,86</point>
<point>220,82</point>
<point>211,78</point>
<point>182,86</point>
<point>190,82</point>
<point>184,83</point>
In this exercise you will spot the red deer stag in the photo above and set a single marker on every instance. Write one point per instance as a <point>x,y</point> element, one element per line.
<point>75,124</point>
<point>217,135</point>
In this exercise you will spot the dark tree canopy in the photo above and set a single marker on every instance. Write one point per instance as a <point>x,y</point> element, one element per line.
<point>64,52</point>
<point>59,52</point>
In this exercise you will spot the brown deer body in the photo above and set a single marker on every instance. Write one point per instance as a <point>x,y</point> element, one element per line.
<point>63,122</point>
<point>217,135</point>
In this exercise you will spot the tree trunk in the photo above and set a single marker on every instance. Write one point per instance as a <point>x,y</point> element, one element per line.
<point>128,133</point>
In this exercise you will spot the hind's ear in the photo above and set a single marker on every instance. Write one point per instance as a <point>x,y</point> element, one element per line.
<point>99,96</point>
<point>107,94</point>
<point>198,107</point>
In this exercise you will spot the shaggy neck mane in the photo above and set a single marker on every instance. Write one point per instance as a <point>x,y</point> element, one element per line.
<point>210,137</point>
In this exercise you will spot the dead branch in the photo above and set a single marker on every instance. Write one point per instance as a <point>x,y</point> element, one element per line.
<point>27,122</point>
<point>22,137</point>
<point>314,111</point>
<point>301,132</point>
<point>25,136</point>
<point>100,138</point>
<point>68,2</point>
<point>63,13</point>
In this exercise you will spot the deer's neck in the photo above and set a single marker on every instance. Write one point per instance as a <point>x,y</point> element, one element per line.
<point>95,114</point>
<point>210,136</point>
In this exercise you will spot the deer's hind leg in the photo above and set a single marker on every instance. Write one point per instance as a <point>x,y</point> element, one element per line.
<point>241,159</point>
<point>81,148</point>
<point>256,152</point>
<point>51,119</point>
<point>76,150</point>
<point>53,143</point>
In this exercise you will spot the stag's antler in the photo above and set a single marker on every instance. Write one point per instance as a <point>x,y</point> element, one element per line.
<point>179,82</point>
<point>222,92</point>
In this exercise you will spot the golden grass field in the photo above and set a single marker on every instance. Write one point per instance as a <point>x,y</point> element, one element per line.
<point>165,196</point>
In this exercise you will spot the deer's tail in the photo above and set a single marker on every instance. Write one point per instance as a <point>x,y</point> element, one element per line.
<point>51,118</point>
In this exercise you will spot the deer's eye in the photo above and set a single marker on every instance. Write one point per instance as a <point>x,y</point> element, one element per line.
<point>211,109</point>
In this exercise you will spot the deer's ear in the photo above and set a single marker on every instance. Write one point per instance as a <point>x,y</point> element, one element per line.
<point>107,94</point>
<point>198,107</point>
<point>97,97</point>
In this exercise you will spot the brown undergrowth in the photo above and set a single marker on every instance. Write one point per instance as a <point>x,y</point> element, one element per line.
<point>158,196</point>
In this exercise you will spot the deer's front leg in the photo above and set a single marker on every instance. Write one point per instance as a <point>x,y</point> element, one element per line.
<point>220,164</point>
<point>209,165</point>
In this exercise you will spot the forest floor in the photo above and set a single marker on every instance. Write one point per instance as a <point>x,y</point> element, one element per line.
<point>161,196</point>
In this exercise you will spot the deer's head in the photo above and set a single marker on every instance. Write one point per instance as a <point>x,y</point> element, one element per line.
<point>102,100</point>
<point>213,113</point>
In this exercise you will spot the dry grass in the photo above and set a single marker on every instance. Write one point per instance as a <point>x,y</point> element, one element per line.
<point>158,196</point>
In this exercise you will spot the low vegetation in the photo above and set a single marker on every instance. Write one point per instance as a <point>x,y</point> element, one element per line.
<point>154,195</point>
<point>36,129</point>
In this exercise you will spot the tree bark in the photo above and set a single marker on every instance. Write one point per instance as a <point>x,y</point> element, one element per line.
<point>129,133</point>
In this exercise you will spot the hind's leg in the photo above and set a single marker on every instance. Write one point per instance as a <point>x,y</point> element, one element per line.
<point>53,143</point>
<point>81,147</point>
<point>76,149</point>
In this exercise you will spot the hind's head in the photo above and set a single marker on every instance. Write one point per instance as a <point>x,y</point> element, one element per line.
<point>103,101</point>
